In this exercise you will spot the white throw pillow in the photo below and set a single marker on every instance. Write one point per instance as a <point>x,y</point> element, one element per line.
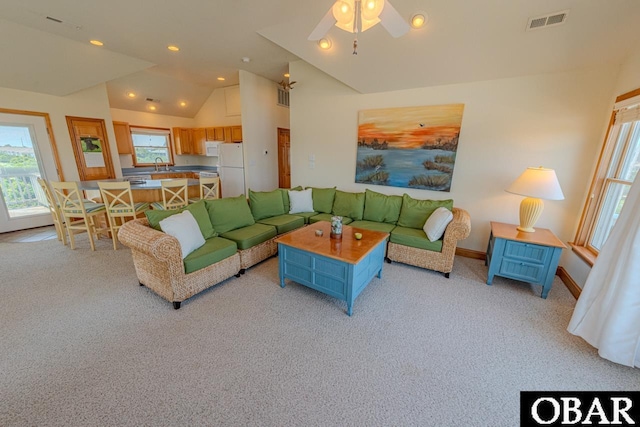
<point>437,223</point>
<point>184,227</point>
<point>300,201</point>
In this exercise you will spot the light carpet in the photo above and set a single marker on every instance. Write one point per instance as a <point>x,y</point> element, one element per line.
<point>83,345</point>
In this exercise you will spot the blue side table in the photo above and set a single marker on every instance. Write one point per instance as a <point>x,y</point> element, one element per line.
<point>527,257</point>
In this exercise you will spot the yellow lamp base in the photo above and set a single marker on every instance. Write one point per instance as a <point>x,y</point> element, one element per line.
<point>530,210</point>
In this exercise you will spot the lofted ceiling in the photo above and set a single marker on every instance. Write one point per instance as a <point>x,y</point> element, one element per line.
<point>463,41</point>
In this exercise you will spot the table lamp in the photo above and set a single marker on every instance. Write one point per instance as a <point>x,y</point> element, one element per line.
<point>536,184</point>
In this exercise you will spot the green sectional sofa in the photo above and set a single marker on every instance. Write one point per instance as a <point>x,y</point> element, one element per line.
<point>241,232</point>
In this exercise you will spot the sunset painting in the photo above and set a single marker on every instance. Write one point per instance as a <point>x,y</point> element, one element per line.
<point>411,147</point>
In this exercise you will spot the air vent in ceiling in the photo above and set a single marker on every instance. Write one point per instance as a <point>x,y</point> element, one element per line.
<point>549,20</point>
<point>153,100</point>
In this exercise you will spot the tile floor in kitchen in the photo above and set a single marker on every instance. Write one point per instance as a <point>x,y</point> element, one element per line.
<point>30,235</point>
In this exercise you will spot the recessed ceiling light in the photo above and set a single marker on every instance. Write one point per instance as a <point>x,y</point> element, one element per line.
<point>418,20</point>
<point>246,59</point>
<point>131,94</point>
<point>324,44</point>
<point>96,42</point>
<point>173,48</point>
<point>221,79</point>
<point>152,107</point>
<point>286,75</point>
<point>183,104</point>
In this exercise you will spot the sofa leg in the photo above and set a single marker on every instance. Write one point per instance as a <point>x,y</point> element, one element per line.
<point>243,270</point>
<point>176,305</point>
<point>446,275</point>
<point>387,259</point>
<point>140,283</point>
<point>238,274</point>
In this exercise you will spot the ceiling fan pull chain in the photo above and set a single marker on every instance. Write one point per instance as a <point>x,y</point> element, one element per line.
<point>356,25</point>
<point>355,46</point>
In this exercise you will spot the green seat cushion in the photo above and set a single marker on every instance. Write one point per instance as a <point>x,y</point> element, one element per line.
<point>350,205</point>
<point>372,225</point>
<point>414,213</point>
<point>379,207</point>
<point>265,204</point>
<point>327,217</point>
<point>199,212</point>
<point>229,213</point>
<point>251,235</point>
<point>414,238</point>
<point>305,215</point>
<point>214,250</point>
<point>323,199</point>
<point>285,197</point>
<point>284,223</point>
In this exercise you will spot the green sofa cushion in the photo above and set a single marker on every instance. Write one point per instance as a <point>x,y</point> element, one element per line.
<point>379,207</point>
<point>327,217</point>
<point>350,205</point>
<point>284,223</point>
<point>199,212</point>
<point>372,225</point>
<point>214,250</point>
<point>414,238</point>
<point>305,215</point>
<point>285,197</point>
<point>265,204</point>
<point>414,213</point>
<point>251,235</point>
<point>229,213</point>
<point>323,199</point>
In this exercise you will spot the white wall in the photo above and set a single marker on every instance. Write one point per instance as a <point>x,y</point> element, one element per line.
<point>139,118</point>
<point>550,120</point>
<point>92,103</point>
<point>261,118</point>
<point>214,112</point>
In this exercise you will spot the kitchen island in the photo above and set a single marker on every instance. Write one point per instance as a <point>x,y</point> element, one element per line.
<point>149,190</point>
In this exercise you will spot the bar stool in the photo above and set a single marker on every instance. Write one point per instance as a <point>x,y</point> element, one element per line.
<point>209,188</point>
<point>175,194</point>
<point>119,205</point>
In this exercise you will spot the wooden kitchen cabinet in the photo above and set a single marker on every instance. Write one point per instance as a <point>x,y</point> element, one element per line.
<point>218,133</point>
<point>236,133</point>
<point>182,140</point>
<point>198,137</point>
<point>123,137</point>
<point>210,133</point>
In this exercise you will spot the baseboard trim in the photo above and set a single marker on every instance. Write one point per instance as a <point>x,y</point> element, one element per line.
<point>560,272</point>
<point>569,282</point>
<point>470,253</point>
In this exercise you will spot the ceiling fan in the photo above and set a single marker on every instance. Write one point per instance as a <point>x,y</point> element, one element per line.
<point>356,16</point>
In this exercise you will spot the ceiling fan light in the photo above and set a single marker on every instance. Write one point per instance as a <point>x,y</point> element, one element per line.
<point>343,12</point>
<point>368,23</point>
<point>371,9</point>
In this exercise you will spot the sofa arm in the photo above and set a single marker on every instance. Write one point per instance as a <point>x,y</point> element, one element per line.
<point>459,227</point>
<point>139,236</point>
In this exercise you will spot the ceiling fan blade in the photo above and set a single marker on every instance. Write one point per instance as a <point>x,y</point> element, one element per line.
<point>323,27</point>
<point>393,22</point>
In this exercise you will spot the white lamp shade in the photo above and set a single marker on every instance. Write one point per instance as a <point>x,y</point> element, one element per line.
<point>539,182</point>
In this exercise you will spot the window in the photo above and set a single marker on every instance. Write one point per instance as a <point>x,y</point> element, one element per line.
<point>617,168</point>
<point>150,144</point>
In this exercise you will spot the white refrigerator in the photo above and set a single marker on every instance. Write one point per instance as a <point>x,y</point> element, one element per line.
<point>231,169</point>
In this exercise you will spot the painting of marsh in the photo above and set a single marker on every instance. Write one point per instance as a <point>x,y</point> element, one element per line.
<point>411,147</point>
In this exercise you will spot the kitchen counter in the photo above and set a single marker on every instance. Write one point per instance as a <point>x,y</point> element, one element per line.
<point>147,191</point>
<point>150,170</point>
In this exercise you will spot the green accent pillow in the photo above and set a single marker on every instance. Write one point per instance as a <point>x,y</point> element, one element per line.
<point>266,204</point>
<point>414,213</point>
<point>285,197</point>
<point>350,205</point>
<point>198,210</point>
<point>379,207</point>
<point>323,199</point>
<point>229,213</point>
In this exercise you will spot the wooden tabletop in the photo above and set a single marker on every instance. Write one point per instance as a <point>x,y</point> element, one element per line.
<point>542,236</point>
<point>347,249</point>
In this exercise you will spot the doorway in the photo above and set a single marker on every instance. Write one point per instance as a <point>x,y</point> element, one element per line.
<point>284,158</point>
<point>26,153</point>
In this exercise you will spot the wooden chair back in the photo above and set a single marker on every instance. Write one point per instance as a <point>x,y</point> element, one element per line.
<point>175,194</point>
<point>56,215</point>
<point>209,187</point>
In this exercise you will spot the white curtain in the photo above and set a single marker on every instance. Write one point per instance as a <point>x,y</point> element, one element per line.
<point>607,314</point>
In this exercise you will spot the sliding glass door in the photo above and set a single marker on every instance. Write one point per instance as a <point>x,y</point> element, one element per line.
<point>25,155</point>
